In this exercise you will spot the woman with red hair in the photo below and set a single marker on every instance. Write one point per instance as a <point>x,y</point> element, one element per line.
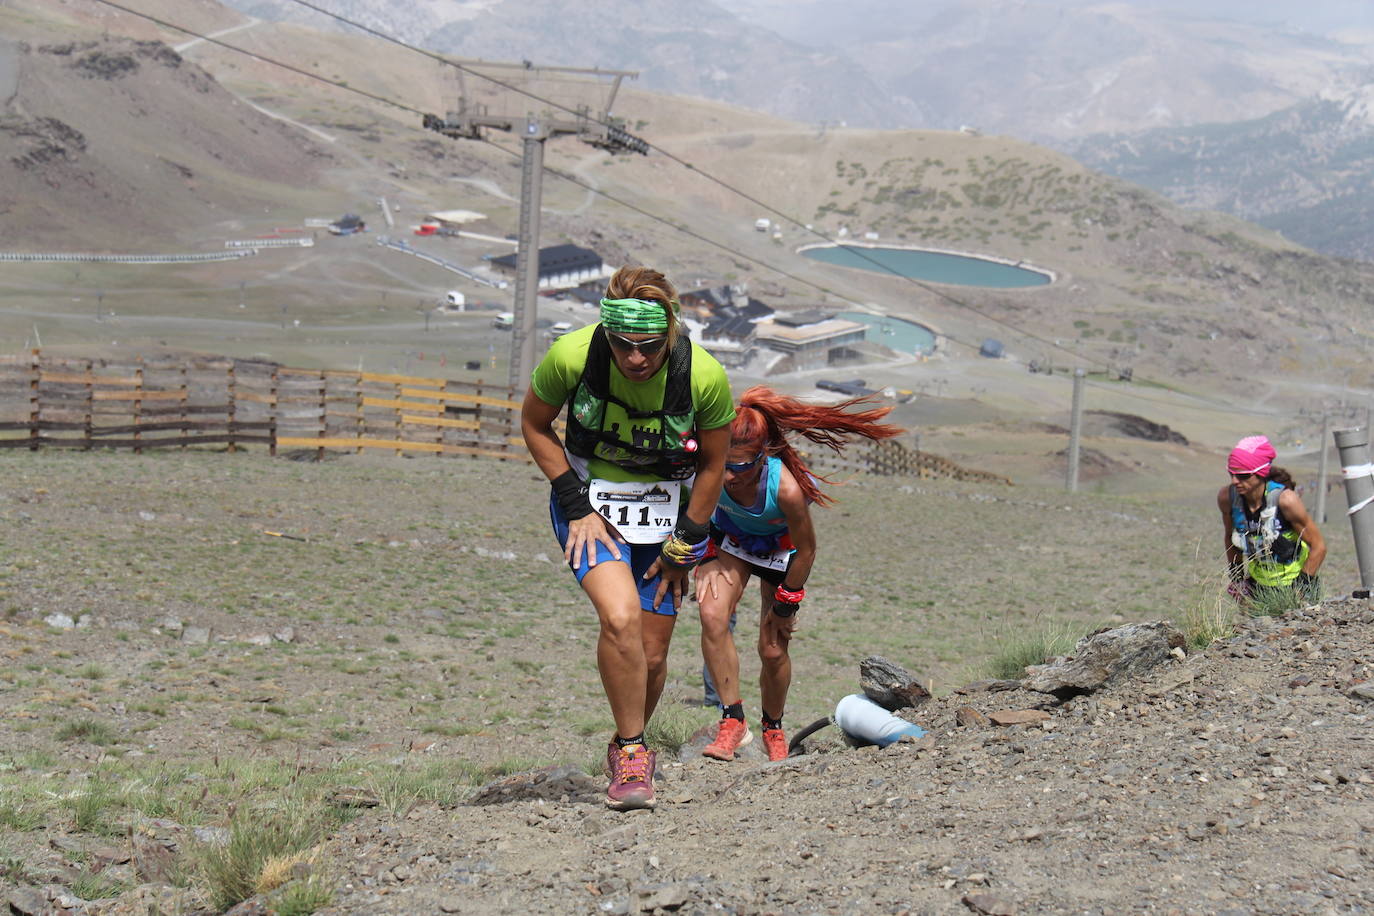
<point>762,527</point>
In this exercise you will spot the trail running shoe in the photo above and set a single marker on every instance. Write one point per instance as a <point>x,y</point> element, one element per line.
<point>775,743</point>
<point>632,779</point>
<point>731,735</point>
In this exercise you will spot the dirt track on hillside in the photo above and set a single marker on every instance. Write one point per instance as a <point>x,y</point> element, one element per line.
<point>1238,781</point>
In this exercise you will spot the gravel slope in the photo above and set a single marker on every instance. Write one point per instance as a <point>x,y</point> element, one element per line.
<point>1238,781</point>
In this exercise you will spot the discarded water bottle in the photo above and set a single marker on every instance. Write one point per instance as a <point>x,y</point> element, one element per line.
<point>868,723</point>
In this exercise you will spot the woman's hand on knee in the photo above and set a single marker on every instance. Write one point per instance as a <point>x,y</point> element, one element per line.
<point>714,580</point>
<point>672,580</point>
<point>777,631</point>
<point>583,536</point>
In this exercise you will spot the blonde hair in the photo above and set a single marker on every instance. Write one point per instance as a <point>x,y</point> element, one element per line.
<point>651,286</point>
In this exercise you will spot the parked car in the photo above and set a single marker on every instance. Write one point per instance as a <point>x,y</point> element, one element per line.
<point>504,321</point>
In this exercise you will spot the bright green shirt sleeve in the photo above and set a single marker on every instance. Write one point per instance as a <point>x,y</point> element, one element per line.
<point>554,379</point>
<point>711,397</point>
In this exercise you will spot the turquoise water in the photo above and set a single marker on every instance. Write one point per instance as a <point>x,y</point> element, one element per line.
<point>894,333</point>
<point>934,266</point>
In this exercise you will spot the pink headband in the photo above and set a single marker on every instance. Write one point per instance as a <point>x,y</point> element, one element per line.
<point>1252,455</point>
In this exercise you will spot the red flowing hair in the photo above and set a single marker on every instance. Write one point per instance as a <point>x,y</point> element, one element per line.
<point>764,419</point>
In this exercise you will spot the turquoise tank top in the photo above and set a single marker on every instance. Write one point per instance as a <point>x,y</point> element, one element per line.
<point>766,519</point>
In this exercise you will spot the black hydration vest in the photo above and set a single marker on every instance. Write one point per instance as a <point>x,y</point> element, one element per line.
<point>667,457</point>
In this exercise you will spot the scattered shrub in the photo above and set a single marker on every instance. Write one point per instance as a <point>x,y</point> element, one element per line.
<point>231,871</point>
<point>90,730</point>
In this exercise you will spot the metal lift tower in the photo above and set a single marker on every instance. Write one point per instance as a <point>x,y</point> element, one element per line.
<point>486,99</point>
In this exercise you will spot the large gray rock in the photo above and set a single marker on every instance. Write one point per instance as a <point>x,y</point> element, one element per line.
<point>890,685</point>
<point>1105,656</point>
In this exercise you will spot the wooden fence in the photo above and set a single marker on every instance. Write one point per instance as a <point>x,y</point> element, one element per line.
<point>48,402</point>
<point>892,459</point>
<point>56,402</point>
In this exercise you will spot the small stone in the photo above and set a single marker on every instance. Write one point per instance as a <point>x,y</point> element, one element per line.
<point>59,621</point>
<point>989,904</point>
<point>655,898</point>
<point>196,636</point>
<point>968,717</point>
<point>1017,716</point>
<point>258,639</point>
<point>285,634</point>
<point>211,836</point>
<point>109,855</point>
<point>253,906</point>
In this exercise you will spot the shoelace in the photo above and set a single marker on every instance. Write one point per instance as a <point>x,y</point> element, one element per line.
<point>634,767</point>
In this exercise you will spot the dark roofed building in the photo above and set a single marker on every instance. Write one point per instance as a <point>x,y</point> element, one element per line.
<point>562,266</point>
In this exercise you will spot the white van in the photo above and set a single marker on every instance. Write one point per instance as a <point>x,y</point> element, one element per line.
<point>559,328</point>
<point>456,300</point>
<point>504,321</point>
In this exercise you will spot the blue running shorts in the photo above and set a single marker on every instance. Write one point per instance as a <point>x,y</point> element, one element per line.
<point>642,556</point>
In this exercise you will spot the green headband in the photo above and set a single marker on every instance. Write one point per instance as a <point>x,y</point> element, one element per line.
<point>634,316</point>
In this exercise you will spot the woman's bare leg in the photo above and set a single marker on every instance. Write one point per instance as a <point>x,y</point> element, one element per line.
<point>620,645</point>
<point>775,672</point>
<point>717,642</point>
<point>657,632</point>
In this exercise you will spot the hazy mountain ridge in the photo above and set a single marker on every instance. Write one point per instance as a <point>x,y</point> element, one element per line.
<point>693,49</point>
<point>1304,171</point>
<point>1054,73</point>
<point>1140,281</point>
<point>1029,68</point>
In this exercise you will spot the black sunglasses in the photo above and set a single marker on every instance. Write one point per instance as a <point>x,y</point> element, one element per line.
<point>648,347</point>
<point>739,467</point>
<point>1241,477</point>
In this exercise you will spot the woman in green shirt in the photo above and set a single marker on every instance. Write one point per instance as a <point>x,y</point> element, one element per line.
<point>635,480</point>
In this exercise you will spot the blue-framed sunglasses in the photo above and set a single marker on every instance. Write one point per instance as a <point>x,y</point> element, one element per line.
<point>739,467</point>
<point>648,347</point>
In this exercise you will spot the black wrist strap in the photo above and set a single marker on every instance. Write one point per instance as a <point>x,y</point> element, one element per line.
<point>571,492</point>
<point>691,532</point>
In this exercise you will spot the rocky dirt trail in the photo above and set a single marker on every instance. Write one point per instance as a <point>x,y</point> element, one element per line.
<point>168,662</point>
<point>1237,780</point>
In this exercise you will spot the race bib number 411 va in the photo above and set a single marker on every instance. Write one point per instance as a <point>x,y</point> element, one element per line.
<point>643,512</point>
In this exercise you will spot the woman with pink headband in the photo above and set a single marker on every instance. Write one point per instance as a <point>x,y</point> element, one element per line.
<point>1271,541</point>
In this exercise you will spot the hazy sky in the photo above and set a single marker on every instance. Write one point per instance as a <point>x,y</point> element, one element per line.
<point>1318,16</point>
